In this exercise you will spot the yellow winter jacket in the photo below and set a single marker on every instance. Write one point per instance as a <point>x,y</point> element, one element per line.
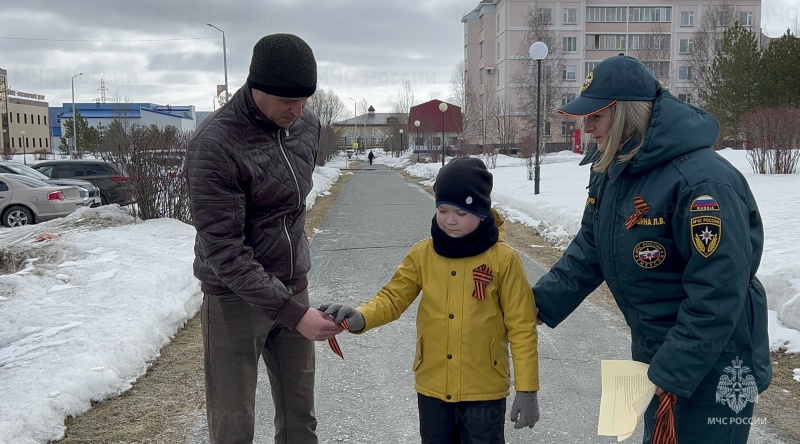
<point>463,341</point>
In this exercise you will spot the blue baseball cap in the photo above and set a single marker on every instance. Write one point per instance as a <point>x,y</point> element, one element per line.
<point>615,78</point>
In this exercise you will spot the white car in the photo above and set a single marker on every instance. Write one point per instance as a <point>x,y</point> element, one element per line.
<point>26,201</point>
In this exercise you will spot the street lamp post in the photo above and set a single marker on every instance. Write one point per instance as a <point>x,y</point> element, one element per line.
<point>224,59</point>
<point>443,109</point>
<point>24,148</point>
<point>416,123</point>
<point>74,118</point>
<point>355,122</point>
<point>401,143</point>
<point>538,52</point>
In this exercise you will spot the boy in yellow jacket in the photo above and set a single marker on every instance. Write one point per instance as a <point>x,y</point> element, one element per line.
<point>476,301</point>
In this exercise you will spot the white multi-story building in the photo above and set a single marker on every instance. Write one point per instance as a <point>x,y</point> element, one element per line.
<point>497,34</point>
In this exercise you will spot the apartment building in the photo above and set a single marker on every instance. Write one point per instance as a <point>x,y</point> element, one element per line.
<point>579,34</point>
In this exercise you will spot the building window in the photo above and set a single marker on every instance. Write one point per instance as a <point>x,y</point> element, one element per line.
<point>605,41</point>
<point>11,118</point>
<point>570,44</point>
<point>46,143</point>
<point>480,50</point>
<point>497,74</point>
<point>723,18</point>
<point>648,41</point>
<point>38,120</point>
<point>589,67</point>
<point>544,15</point>
<point>546,128</point>
<point>684,72</point>
<point>45,121</point>
<point>570,16</point>
<point>567,98</point>
<point>746,18</point>
<point>649,14</point>
<point>566,127</point>
<point>25,117</point>
<point>686,46</point>
<point>659,69</point>
<point>498,51</point>
<point>480,21</point>
<point>687,18</point>
<point>498,21</point>
<point>605,14</point>
<point>685,97</point>
<point>568,73</point>
<point>480,75</point>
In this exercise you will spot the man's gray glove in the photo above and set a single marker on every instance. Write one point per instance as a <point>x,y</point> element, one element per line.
<point>339,312</point>
<point>525,410</point>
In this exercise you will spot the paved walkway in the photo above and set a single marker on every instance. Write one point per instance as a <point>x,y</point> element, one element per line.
<point>369,397</point>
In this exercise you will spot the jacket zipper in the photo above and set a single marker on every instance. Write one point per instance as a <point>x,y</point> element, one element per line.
<point>600,191</point>
<point>299,203</point>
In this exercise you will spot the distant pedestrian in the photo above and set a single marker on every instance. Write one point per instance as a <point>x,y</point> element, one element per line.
<point>250,169</point>
<point>371,156</point>
<point>675,232</point>
<point>476,301</point>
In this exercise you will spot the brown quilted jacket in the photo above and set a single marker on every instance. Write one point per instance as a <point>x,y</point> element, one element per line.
<point>248,182</point>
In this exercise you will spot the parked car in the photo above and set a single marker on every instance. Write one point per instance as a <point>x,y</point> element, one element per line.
<point>103,175</point>
<point>89,193</point>
<point>26,201</point>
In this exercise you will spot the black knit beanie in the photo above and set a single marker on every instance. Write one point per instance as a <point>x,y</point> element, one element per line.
<point>283,65</point>
<point>466,183</point>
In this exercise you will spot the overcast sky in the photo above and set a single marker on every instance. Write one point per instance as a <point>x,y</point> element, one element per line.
<point>161,51</point>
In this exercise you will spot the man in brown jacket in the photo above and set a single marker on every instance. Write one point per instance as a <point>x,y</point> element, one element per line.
<point>250,170</point>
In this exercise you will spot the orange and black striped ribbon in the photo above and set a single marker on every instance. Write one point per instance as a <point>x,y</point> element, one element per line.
<point>482,276</point>
<point>335,344</point>
<point>664,431</point>
<point>641,208</point>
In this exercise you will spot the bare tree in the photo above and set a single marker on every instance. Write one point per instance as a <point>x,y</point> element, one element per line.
<point>774,137</point>
<point>506,124</point>
<point>539,29</point>
<point>706,42</point>
<point>553,89</point>
<point>330,109</point>
<point>485,110</point>
<point>462,94</point>
<point>653,50</point>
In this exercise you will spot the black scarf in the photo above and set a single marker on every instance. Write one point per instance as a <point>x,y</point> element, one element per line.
<point>470,245</point>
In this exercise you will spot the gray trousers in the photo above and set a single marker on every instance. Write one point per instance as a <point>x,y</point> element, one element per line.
<point>235,335</point>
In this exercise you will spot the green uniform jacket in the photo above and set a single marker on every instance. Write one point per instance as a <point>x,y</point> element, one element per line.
<point>463,341</point>
<point>684,274</point>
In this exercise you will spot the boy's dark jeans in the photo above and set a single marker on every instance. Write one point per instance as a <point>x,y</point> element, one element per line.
<point>469,422</point>
<point>235,335</point>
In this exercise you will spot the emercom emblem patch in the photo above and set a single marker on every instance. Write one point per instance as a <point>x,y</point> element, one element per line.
<point>706,234</point>
<point>649,254</point>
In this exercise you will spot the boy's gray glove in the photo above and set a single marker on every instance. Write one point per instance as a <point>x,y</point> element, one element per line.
<point>340,312</point>
<point>525,410</point>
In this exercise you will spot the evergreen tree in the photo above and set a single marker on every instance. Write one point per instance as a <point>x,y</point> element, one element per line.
<point>737,70</point>
<point>780,74</point>
<point>88,137</point>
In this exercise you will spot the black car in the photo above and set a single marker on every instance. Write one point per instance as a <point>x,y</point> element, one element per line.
<point>89,193</point>
<point>104,175</point>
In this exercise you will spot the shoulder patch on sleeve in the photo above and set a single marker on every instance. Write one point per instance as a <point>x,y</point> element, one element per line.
<point>705,202</point>
<point>706,234</point>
